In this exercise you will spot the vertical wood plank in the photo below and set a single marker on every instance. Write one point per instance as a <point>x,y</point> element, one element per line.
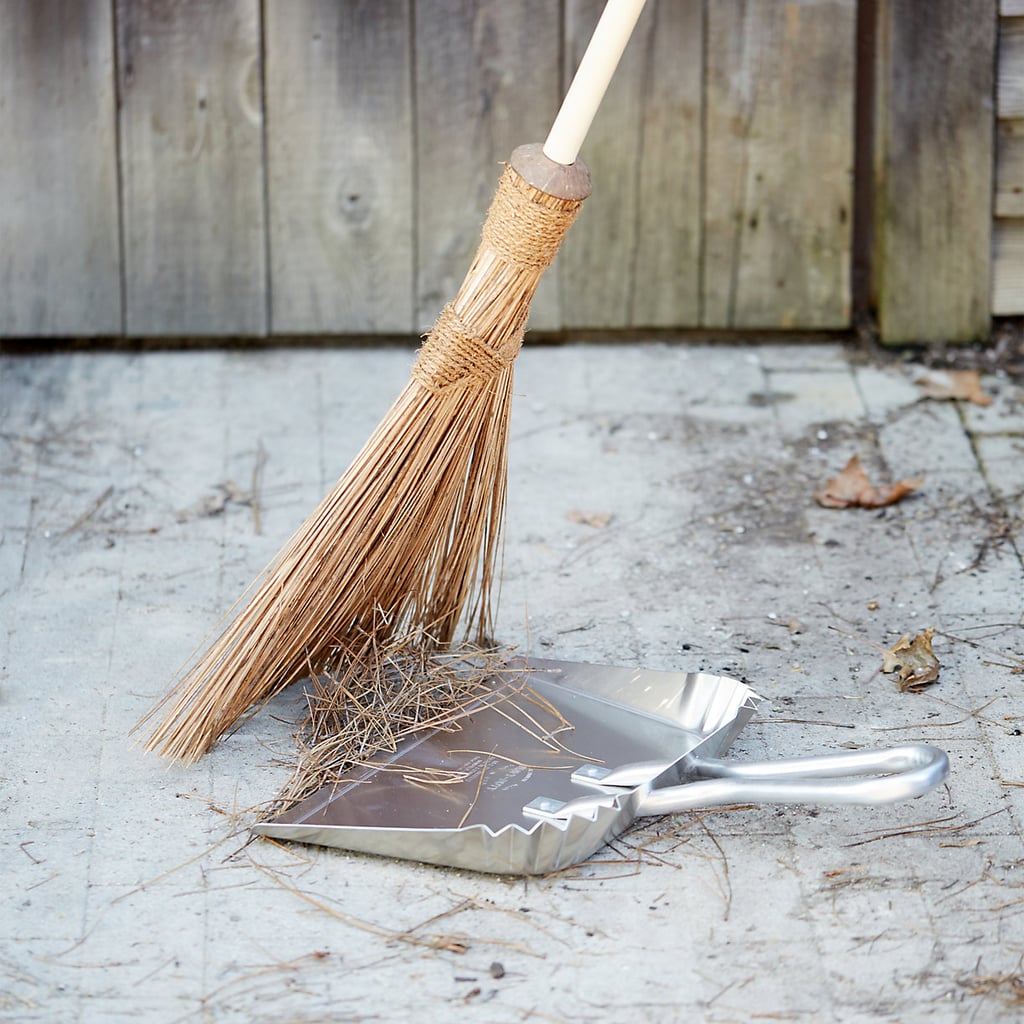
<point>486,82</point>
<point>1008,267</point>
<point>933,169</point>
<point>667,272</point>
<point>1010,88</point>
<point>633,257</point>
<point>779,163</point>
<point>59,245</point>
<point>191,164</point>
<point>1009,198</point>
<point>339,157</point>
<point>1008,229</point>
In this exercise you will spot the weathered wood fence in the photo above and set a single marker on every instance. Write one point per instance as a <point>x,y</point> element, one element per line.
<point>1008,292</point>
<point>289,167</point>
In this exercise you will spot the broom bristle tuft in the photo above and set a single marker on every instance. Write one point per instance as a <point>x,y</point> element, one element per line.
<point>409,537</point>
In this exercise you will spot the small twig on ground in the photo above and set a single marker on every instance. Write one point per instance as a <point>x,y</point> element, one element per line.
<point>725,866</point>
<point>1001,526</point>
<point>927,828</point>
<point>169,872</point>
<point>1008,987</point>
<point>976,713</point>
<point>89,512</point>
<point>475,903</point>
<point>1017,666</point>
<point>644,852</point>
<point>841,618</point>
<point>28,853</point>
<point>1006,906</point>
<point>42,881</point>
<point>448,943</point>
<point>256,491</point>
<point>1015,670</point>
<point>573,871</point>
<point>231,989</point>
<point>805,721</point>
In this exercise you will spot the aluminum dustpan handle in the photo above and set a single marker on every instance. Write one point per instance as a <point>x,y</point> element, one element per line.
<point>858,777</point>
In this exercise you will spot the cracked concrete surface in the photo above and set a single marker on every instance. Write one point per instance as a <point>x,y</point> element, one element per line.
<point>127,528</point>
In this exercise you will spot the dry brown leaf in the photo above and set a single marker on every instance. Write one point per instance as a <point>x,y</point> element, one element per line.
<point>853,489</point>
<point>913,661</point>
<point>953,384</point>
<point>599,520</point>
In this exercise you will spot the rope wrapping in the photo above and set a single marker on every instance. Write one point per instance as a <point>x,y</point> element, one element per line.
<point>520,238</point>
<point>451,355</point>
<point>520,230</point>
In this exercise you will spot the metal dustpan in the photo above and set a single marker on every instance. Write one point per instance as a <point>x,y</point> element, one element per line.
<point>562,757</point>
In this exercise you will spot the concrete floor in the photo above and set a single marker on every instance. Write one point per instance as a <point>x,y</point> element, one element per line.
<point>128,529</point>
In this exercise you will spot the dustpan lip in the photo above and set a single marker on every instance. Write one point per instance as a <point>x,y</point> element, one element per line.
<point>547,845</point>
<point>275,830</point>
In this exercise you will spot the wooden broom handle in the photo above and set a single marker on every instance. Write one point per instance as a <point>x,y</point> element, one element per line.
<point>591,80</point>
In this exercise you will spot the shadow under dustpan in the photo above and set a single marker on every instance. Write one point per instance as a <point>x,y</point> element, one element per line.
<point>561,757</point>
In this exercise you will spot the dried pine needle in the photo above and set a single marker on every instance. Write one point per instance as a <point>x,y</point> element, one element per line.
<point>371,697</point>
<point>1008,986</point>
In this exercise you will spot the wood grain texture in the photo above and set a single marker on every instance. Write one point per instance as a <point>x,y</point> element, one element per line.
<point>633,258</point>
<point>1010,87</point>
<point>1009,199</point>
<point>486,82</point>
<point>779,163</point>
<point>933,169</point>
<point>339,163</point>
<point>59,245</point>
<point>1008,267</point>
<point>191,158</point>
<point>722,159</point>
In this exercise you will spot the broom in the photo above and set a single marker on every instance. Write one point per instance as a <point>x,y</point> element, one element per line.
<point>408,539</point>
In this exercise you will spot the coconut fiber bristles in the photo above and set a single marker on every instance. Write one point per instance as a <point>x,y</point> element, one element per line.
<point>409,536</point>
<point>408,539</point>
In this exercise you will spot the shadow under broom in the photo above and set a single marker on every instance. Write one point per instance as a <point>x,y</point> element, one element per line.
<point>407,541</point>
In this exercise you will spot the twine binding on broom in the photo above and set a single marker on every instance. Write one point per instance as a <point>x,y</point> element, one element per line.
<point>521,230</point>
<point>451,356</point>
<point>522,233</point>
<point>408,540</point>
